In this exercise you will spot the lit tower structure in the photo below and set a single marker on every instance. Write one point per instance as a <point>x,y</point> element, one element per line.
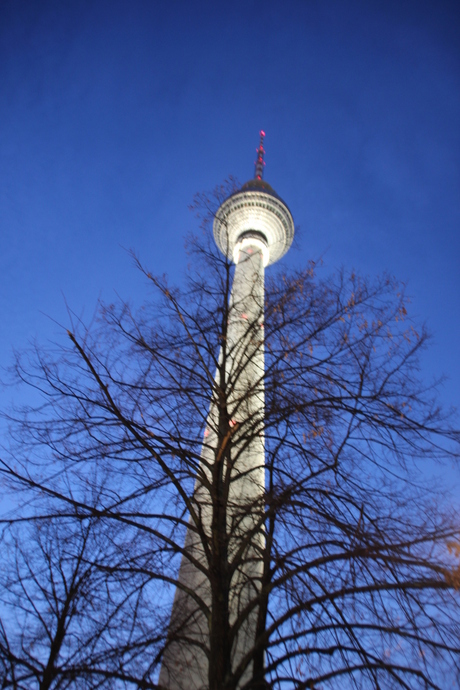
<point>254,228</point>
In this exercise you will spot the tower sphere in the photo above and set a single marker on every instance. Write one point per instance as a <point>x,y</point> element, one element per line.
<point>254,214</point>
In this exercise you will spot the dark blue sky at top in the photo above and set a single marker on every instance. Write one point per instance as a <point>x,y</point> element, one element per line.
<point>114,113</point>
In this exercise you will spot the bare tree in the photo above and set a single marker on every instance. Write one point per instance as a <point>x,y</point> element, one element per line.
<point>72,614</point>
<point>356,581</point>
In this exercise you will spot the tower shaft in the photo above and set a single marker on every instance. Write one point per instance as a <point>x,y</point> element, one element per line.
<point>221,569</point>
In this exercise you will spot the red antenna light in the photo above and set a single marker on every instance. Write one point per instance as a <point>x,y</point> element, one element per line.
<point>259,172</point>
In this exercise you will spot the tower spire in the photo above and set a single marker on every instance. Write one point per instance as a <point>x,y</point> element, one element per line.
<point>260,163</point>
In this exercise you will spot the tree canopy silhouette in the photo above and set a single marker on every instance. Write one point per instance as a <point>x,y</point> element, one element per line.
<point>358,550</point>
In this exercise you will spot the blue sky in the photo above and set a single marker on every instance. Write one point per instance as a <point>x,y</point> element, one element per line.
<point>114,113</point>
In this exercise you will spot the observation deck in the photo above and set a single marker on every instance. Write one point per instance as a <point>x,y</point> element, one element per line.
<point>255,214</point>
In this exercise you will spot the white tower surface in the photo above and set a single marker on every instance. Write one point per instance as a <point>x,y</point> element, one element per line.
<point>254,228</point>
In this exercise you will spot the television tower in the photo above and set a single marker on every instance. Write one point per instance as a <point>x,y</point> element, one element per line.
<point>254,228</point>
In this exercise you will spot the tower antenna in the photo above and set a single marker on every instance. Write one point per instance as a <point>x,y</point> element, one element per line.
<point>260,163</point>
